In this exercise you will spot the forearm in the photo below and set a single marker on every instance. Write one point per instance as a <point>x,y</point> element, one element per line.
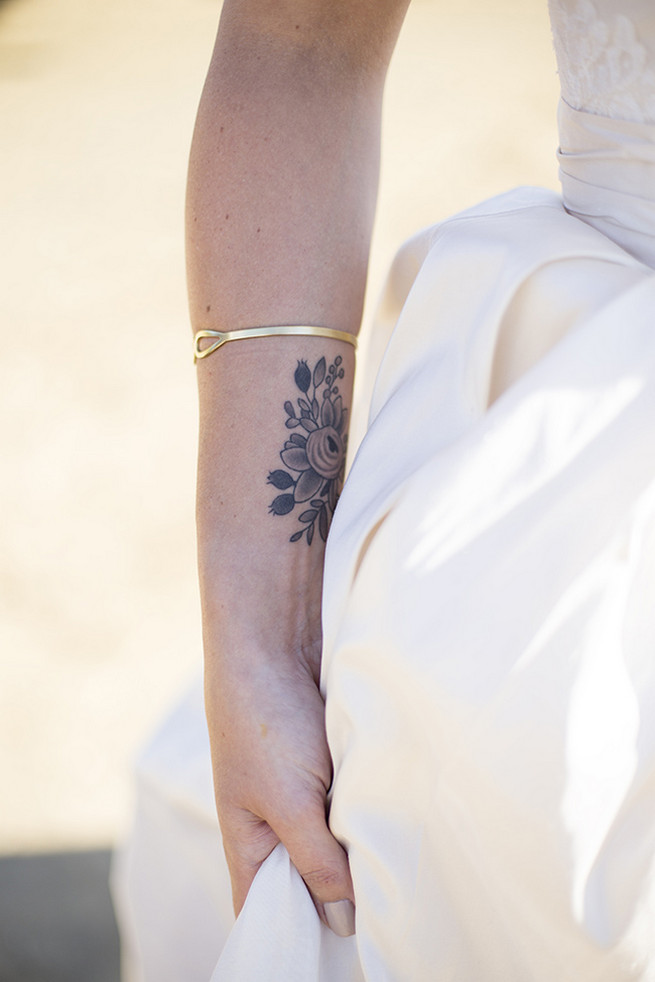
<point>260,575</point>
<point>282,187</point>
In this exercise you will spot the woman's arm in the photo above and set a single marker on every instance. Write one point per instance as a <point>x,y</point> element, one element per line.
<point>281,195</point>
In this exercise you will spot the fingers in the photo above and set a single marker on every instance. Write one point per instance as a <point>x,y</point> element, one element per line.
<point>313,850</point>
<point>323,864</point>
<point>246,848</point>
<point>241,877</point>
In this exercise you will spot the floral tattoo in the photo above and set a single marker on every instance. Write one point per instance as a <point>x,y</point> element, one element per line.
<point>314,455</point>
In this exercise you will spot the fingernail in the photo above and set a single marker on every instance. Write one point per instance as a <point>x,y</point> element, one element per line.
<point>340,915</point>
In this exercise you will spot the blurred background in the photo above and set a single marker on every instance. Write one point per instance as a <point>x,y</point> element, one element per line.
<point>99,629</point>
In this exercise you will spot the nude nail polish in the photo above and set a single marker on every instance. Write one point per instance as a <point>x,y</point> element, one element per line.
<point>340,915</point>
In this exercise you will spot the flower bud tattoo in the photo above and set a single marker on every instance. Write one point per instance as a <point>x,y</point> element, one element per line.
<point>314,456</point>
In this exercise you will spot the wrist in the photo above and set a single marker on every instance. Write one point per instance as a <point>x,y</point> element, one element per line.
<point>257,610</point>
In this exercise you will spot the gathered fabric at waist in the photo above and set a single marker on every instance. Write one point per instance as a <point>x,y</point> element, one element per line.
<point>607,171</point>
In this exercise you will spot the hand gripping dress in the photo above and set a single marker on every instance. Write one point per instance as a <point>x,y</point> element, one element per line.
<point>489,608</point>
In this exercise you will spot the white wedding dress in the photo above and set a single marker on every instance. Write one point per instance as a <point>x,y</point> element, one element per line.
<point>489,606</point>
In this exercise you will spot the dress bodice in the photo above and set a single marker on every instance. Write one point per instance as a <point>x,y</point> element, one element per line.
<point>606,60</point>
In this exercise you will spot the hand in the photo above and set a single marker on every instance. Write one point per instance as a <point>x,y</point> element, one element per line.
<point>272,769</point>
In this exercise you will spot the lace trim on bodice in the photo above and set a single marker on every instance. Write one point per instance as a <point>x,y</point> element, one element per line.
<point>606,58</point>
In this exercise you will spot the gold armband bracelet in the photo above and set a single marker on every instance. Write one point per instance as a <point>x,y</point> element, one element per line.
<point>219,338</point>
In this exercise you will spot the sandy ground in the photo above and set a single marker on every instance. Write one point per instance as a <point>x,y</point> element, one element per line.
<point>100,625</point>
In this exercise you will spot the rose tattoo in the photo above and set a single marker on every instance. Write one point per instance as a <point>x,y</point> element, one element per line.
<point>314,456</point>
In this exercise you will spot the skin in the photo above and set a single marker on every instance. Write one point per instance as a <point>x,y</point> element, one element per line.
<point>281,196</point>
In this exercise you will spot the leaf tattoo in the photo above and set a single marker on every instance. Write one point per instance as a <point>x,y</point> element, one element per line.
<point>314,455</point>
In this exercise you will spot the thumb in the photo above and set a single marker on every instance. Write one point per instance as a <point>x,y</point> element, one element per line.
<point>323,864</point>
